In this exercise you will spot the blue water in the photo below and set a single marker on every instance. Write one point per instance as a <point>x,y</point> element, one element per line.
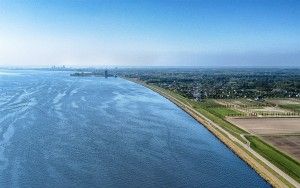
<point>62,131</point>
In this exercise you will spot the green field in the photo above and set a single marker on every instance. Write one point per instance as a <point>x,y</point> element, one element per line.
<point>281,160</point>
<point>293,107</point>
<point>217,113</point>
<point>223,112</point>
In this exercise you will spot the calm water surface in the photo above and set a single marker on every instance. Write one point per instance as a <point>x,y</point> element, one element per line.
<point>62,131</point>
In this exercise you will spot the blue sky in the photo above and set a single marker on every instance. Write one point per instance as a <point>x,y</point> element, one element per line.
<point>150,33</point>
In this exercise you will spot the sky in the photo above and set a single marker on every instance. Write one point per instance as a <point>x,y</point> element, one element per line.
<point>100,33</point>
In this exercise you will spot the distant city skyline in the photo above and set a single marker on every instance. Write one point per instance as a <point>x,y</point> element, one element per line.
<point>149,33</point>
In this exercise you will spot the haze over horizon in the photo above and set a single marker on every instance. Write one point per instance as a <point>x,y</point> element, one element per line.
<point>149,33</point>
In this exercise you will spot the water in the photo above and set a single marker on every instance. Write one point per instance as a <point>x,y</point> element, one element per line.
<point>62,131</point>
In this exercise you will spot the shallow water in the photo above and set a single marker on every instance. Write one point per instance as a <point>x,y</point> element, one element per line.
<point>62,131</point>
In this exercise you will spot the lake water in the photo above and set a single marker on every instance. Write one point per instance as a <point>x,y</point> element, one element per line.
<point>62,131</point>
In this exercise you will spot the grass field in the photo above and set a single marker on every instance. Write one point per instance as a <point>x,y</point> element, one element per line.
<point>281,160</point>
<point>207,109</point>
<point>292,107</point>
<point>224,112</point>
<point>244,103</point>
<point>267,108</point>
<point>288,104</point>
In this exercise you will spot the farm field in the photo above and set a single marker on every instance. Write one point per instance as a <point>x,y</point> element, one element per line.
<point>276,156</point>
<point>288,143</point>
<point>289,104</point>
<point>261,126</point>
<point>284,101</point>
<point>245,103</point>
<point>266,108</point>
<point>281,133</point>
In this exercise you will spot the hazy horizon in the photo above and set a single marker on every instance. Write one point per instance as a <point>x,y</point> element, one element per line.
<point>149,33</point>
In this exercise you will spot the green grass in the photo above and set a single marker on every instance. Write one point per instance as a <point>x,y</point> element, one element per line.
<point>217,118</point>
<point>293,107</point>
<point>223,112</point>
<point>281,160</point>
<point>219,110</point>
<point>251,103</point>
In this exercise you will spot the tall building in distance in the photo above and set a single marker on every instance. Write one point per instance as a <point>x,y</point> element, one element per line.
<point>106,73</point>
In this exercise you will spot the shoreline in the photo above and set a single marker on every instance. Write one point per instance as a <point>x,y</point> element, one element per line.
<point>266,171</point>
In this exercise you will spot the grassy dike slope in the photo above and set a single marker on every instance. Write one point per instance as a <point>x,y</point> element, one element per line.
<point>194,109</point>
